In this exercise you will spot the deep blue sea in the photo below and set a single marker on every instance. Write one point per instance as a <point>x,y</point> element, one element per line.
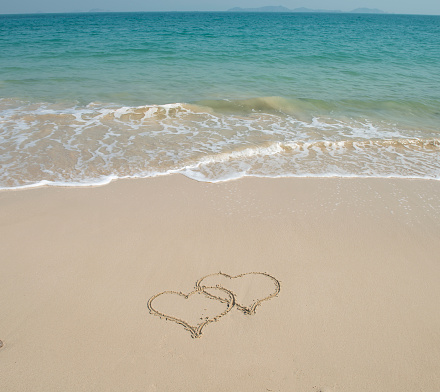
<point>87,98</point>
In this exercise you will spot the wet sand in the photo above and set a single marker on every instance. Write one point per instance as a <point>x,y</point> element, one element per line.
<point>357,261</point>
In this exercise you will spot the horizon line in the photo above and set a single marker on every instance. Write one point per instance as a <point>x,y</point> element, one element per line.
<point>219,11</point>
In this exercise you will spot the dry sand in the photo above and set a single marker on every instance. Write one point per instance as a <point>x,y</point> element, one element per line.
<point>358,261</point>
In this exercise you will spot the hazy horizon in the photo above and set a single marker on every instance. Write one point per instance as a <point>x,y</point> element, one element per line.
<point>423,7</point>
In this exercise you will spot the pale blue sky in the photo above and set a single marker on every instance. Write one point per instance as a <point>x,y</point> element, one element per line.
<point>393,6</point>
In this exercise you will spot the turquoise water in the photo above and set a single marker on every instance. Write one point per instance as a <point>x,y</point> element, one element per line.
<point>85,98</point>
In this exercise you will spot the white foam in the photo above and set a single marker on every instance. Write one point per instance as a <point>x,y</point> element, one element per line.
<point>46,145</point>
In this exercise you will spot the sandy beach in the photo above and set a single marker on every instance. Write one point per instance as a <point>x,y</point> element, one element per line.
<point>357,261</point>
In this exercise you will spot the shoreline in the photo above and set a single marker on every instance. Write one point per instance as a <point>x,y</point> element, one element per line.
<point>357,261</point>
<point>44,184</point>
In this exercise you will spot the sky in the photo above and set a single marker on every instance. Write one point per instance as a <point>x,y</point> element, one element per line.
<point>429,7</point>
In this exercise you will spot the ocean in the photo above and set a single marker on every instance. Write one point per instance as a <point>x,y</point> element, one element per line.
<point>88,98</point>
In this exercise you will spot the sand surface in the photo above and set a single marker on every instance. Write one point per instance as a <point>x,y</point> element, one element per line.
<point>357,261</point>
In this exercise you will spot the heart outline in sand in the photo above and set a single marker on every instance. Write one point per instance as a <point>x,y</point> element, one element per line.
<point>196,331</point>
<point>249,310</point>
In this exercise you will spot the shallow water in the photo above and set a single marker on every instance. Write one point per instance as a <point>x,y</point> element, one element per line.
<point>86,98</point>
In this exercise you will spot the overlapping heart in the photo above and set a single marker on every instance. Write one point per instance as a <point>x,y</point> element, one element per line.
<point>217,291</point>
<point>195,330</point>
<point>250,309</point>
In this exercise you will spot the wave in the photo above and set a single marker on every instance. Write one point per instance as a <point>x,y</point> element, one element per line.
<point>428,109</point>
<point>69,144</point>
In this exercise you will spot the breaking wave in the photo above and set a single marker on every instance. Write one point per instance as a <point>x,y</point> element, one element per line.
<point>65,144</point>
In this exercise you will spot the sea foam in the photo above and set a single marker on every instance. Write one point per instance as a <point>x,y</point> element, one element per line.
<point>52,144</point>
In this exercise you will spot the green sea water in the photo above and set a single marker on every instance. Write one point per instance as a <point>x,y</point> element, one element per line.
<point>85,98</point>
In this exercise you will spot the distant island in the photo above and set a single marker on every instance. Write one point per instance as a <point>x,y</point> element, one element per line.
<point>99,10</point>
<point>367,11</point>
<point>303,9</point>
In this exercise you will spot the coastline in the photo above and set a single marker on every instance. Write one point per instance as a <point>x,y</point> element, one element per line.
<point>357,260</point>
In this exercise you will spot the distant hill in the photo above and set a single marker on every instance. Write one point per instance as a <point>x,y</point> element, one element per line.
<point>367,11</point>
<point>303,9</point>
<point>261,9</point>
<point>99,10</point>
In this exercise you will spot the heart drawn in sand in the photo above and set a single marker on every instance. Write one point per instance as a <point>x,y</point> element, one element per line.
<point>262,288</point>
<point>178,300</point>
